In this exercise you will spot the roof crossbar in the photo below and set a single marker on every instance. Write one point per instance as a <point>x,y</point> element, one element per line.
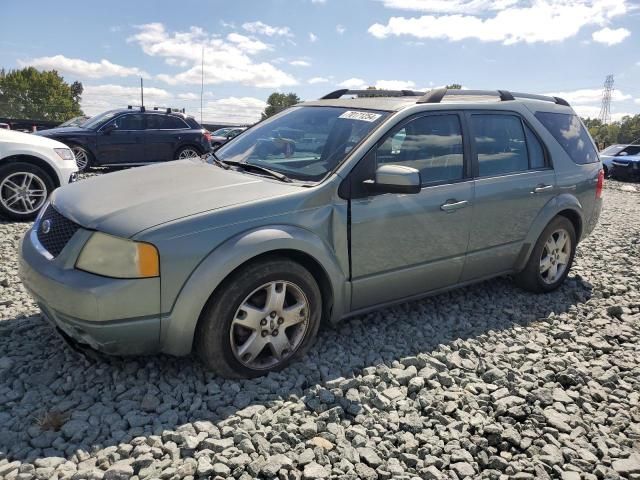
<point>371,93</point>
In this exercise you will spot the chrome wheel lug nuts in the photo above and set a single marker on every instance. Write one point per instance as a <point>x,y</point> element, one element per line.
<point>280,321</point>
<point>265,333</point>
<point>263,322</point>
<point>275,333</point>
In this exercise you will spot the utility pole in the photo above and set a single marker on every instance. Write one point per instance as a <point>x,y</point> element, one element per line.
<point>141,93</point>
<point>605,109</point>
<point>201,85</point>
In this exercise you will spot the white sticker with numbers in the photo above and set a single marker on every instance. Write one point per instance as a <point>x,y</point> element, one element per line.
<point>362,116</point>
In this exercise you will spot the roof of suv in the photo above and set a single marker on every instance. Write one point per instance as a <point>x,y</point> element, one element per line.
<point>394,100</point>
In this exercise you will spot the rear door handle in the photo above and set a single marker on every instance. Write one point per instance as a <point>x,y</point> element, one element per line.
<point>542,188</point>
<point>453,205</point>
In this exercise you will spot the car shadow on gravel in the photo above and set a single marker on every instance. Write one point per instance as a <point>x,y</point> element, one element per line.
<point>54,403</point>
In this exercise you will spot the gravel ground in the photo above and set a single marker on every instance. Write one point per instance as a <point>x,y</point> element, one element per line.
<point>483,382</point>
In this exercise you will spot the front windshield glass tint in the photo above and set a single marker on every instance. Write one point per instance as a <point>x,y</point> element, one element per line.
<point>99,119</point>
<point>304,143</point>
<point>221,133</point>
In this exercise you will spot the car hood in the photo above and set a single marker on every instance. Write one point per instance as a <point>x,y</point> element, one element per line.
<point>128,202</point>
<point>627,158</point>
<point>62,132</point>
<point>10,136</point>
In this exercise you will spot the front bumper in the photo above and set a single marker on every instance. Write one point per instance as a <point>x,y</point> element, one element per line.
<point>115,316</point>
<point>626,170</point>
<point>68,173</point>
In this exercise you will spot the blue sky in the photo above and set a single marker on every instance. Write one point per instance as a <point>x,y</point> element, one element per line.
<point>310,47</point>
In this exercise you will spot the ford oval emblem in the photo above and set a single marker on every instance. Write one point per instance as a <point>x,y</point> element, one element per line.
<point>46,226</point>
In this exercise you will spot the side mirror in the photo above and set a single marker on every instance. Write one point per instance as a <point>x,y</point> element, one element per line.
<point>397,179</point>
<point>623,154</point>
<point>109,128</point>
<point>229,137</point>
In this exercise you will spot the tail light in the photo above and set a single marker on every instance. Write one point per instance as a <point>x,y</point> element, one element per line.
<point>600,183</point>
<point>207,135</point>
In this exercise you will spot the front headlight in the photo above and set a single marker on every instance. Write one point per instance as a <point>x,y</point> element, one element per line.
<point>118,257</point>
<point>65,153</point>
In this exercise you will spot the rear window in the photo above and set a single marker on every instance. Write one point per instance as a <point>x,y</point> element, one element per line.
<point>568,130</point>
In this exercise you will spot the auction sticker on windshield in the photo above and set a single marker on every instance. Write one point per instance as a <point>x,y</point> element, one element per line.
<point>363,116</point>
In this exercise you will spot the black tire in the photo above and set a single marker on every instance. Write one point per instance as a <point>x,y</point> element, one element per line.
<point>14,168</point>
<point>606,171</point>
<point>530,278</point>
<point>90,162</point>
<point>181,150</point>
<point>213,335</point>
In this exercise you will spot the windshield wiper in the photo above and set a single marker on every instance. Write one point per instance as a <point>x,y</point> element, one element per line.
<point>252,166</point>
<point>215,160</point>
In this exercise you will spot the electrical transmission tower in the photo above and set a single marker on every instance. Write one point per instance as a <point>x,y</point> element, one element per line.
<point>605,109</point>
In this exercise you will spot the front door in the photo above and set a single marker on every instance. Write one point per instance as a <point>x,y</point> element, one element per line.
<point>514,182</point>
<point>121,141</point>
<point>406,244</point>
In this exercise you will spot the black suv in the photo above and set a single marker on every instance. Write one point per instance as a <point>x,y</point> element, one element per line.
<point>133,136</point>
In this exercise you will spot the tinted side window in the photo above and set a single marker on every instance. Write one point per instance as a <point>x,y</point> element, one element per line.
<point>632,150</point>
<point>536,151</point>
<point>500,144</point>
<point>430,144</point>
<point>164,122</point>
<point>568,130</point>
<point>130,122</point>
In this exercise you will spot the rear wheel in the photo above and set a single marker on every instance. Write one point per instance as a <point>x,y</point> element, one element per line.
<point>24,189</point>
<point>260,319</point>
<point>187,152</point>
<point>551,259</point>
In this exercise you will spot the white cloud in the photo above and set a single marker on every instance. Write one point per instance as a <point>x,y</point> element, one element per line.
<point>313,37</point>
<point>225,60</point>
<point>592,111</point>
<point>300,63</point>
<point>353,83</point>
<point>610,36</point>
<point>319,1</point>
<point>395,85</point>
<point>268,30</point>
<point>234,110</point>
<point>503,21</point>
<point>82,68</point>
<point>340,29</point>
<point>316,80</point>
<point>98,98</point>
<point>589,95</point>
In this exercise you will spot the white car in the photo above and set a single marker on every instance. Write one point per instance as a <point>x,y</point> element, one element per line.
<point>31,167</point>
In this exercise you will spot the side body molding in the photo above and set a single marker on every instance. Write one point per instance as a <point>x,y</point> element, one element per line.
<point>559,203</point>
<point>179,325</point>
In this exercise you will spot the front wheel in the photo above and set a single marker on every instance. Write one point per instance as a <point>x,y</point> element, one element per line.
<point>24,189</point>
<point>551,258</point>
<point>260,319</point>
<point>83,158</point>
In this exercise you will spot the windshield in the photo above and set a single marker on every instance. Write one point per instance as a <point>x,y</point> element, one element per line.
<point>612,150</point>
<point>303,143</point>
<point>99,119</point>
<point>222,132</point>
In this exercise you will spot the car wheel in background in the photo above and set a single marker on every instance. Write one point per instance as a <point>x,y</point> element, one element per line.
<point>187,152</point>
<point>83,157</point>
<point>551,258</point>
<point>260,319</point>
<point>24,189</point>
<point>606,171</point>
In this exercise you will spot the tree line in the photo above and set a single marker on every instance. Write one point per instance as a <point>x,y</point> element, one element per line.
<point>29,93</point>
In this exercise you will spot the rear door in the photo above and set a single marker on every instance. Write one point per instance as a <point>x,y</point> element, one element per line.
<point>124,143</point>
<point>514,180</point>
<point>407,244</point>
<point>163,136</point>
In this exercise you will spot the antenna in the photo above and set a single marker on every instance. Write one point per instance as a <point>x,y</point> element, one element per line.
<point>141,93</point>
<point>202,84</point>
<point>605,109</point>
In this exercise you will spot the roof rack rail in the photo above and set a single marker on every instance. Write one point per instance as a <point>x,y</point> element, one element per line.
<point>371,93</point>
<point>157,108</point>
<point>141,107</point>
<point>437,94</point>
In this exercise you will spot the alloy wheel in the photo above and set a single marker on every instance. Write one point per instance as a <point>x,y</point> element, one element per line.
<point>188,153</point>
<point>23,193</point>
<point>82,158</point>
<point>555,257</point>
<point>269,325</point>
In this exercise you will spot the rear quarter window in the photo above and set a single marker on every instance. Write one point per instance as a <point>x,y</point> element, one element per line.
<point>569,132</point>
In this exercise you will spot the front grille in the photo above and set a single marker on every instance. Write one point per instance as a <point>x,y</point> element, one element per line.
<point>55,231</point>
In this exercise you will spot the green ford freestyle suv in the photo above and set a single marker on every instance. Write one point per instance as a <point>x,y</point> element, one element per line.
<point>324,211</point>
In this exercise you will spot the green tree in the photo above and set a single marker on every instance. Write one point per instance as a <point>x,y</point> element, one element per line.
<point>30,93</point>
<point>454,86</point>
<point>278,102</point>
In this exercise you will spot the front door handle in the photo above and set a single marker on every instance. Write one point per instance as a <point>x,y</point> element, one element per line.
<point>542,188</point>
<point>453,205</point>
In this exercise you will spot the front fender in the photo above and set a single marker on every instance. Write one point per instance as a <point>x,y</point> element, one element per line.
<point>178,327</point>
<point>557,204</point>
